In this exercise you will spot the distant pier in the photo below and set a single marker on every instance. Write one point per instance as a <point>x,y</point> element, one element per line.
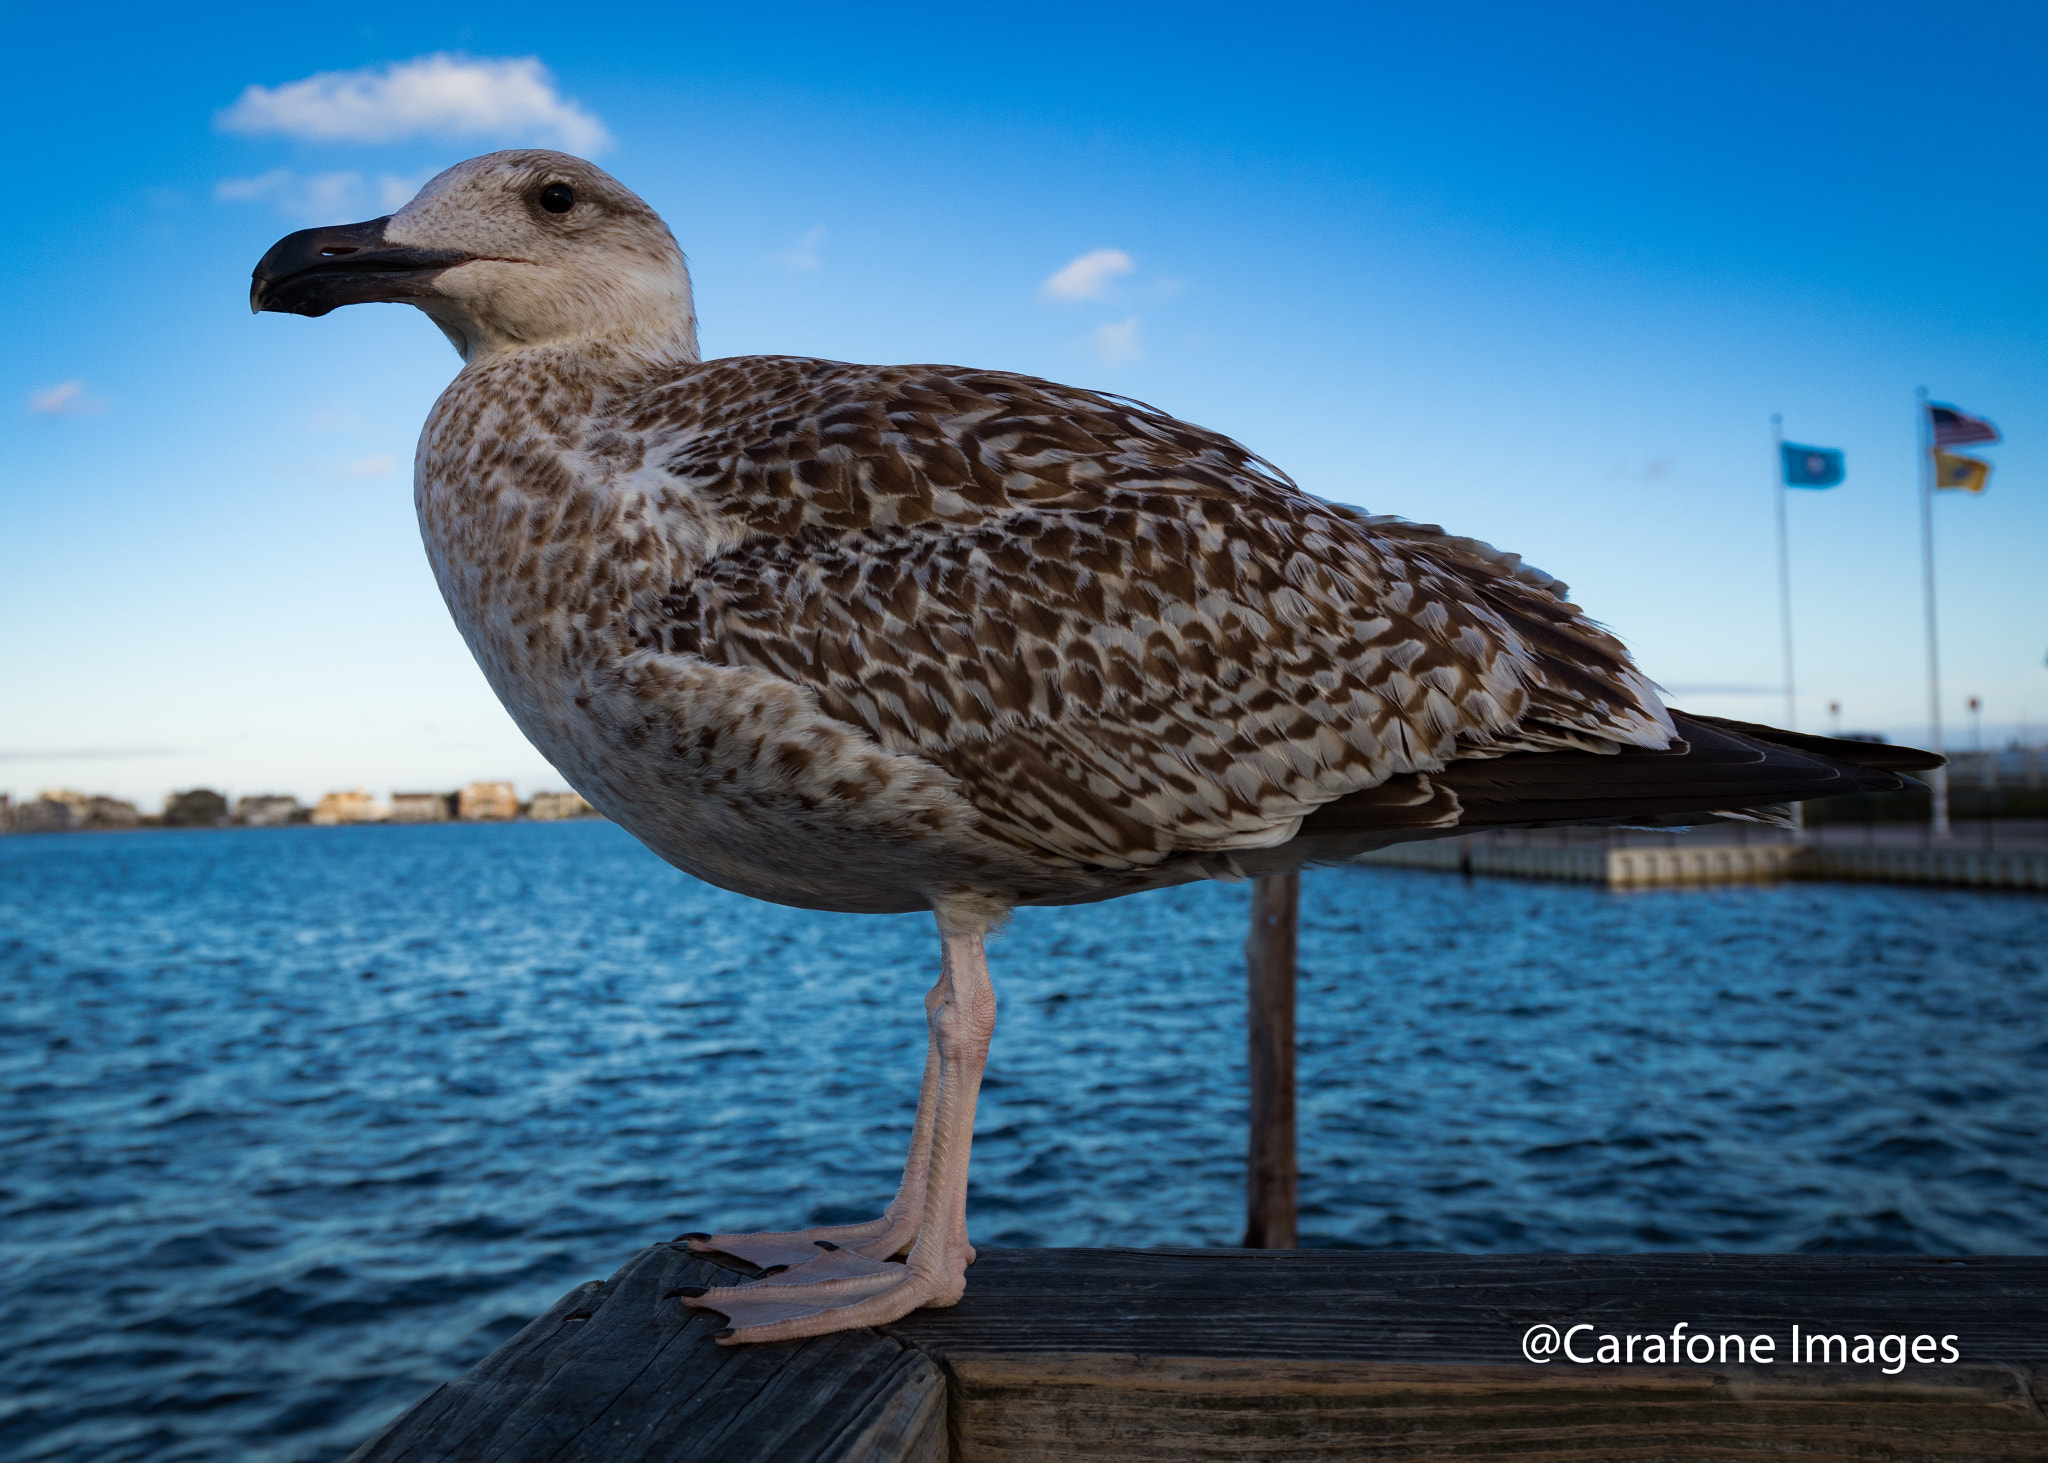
<point>2010,854</point>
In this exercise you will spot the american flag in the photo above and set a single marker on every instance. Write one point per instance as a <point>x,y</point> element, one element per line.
<point>1954,428</point>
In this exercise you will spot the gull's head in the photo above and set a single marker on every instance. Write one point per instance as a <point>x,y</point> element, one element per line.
<point>508,250</point>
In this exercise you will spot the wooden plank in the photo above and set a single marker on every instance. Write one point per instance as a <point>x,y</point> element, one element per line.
<point>1272,1171</point>
<point>1055,1408</point>
<point>1327,1355</point>
<point>1403,1306</point>
<point>612,1371</point>
<point>1061,1356</point>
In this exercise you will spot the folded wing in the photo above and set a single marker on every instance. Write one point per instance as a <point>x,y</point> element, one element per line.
<point>1127,639</point>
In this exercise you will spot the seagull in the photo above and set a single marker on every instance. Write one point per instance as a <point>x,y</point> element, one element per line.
<point>892,638</point>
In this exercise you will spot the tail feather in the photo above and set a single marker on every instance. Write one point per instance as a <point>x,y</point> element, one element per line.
<point>1721,770</point>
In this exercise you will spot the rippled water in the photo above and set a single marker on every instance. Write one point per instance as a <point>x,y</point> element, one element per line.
<point>296,1123</point>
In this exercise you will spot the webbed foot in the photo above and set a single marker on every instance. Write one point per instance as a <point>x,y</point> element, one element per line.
<point>835,1290</point>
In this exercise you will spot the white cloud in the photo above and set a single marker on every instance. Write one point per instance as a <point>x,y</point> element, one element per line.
<point>803,254</point>
<point>1117,342</point>
<point>66,399</point>
<point>1088,277</point>
<point>430,96</point>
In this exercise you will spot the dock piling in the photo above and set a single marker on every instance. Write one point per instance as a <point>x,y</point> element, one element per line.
<point>1272,1173</point>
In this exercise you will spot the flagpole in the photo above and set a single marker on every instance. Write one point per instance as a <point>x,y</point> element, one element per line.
<point>1938,778</point>
<point>1785,592</point>
<point>1784,576</point>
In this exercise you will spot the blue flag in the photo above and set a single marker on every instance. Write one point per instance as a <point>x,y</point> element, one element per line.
<point>1811,467</point>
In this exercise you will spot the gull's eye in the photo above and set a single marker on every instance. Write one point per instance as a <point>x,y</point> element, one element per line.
<point>557,198</point>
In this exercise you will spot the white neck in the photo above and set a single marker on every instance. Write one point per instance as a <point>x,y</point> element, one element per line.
<point>654,340</point>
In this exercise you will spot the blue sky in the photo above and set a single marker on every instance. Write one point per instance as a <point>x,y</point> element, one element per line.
<point>1540,274</point>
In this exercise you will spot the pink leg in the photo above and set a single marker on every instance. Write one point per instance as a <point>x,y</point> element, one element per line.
<point>878,1239</point>
<point>858,1286</point>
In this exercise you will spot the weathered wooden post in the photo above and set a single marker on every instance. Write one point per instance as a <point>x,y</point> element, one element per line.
<point>1271,1172</point>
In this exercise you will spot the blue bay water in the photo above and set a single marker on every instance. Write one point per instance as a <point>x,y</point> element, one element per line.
<point>296,1123</point>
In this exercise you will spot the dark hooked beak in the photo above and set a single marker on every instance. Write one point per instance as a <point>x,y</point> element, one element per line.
<point>316,270</point>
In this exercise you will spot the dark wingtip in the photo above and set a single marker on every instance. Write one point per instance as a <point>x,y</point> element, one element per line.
<point>1884,756</point>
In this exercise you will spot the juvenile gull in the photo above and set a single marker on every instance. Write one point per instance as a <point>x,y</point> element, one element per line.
<point>884,638</point>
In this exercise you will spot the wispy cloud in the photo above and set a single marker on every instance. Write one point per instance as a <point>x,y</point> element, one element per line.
<point>65,399</point>
<point>362,468</point>
<point>442,95</point>
<point>315,197</point>
<point>1117,342</point>
<point>89,754</point>
<point>803,254</point>
<point>338,415</point>
<point>1087,277</point>
<point>1651,472</point>
<point>319,197</point>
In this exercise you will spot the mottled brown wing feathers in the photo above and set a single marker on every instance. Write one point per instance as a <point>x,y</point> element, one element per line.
<point>1124,636</point>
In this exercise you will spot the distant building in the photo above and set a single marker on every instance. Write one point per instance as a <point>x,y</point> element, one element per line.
<point>6,811</point>
<point>76,804</point>
<point>110,813</point>
<point>200,808</point>
<point>548,807</point>
<point>60,810</point>
<point>94,810</point>
<point>267,810</point>
<point>346,807</point>
<point>44,815</point>
<point>487,802</point>
<point>419,807</point>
